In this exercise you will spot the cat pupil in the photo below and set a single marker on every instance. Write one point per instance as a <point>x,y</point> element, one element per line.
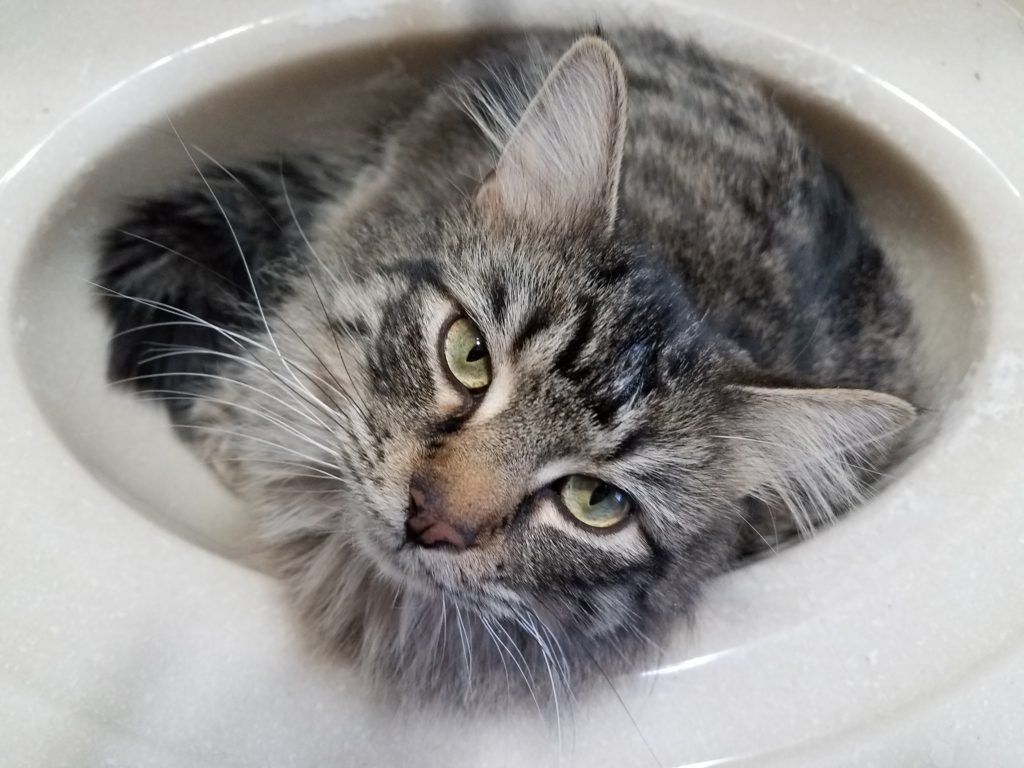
<point>476,352</point>
<point>599,494</point>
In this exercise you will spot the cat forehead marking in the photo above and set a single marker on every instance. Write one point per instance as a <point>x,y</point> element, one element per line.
<point>630,369</point>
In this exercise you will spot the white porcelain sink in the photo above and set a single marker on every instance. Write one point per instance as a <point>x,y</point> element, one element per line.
<point>134,633</point>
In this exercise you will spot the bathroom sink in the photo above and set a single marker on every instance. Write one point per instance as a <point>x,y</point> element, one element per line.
<point>137,631</point>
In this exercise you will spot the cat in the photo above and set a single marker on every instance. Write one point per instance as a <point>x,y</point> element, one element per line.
<point>506,382</point>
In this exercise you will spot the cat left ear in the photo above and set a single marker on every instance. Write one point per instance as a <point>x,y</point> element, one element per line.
<point>813,449</point>
<point>562,163</point>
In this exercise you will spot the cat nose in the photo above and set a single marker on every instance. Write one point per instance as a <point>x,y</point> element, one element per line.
<point>426,524</point>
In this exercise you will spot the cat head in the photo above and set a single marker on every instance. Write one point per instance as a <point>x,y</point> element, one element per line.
<point>539,422</point>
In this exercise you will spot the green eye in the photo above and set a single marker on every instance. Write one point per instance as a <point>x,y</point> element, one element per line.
<point>595,503</point>
<point>466,354</point>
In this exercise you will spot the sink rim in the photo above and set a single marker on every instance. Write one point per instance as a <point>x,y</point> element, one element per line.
<point>979,406</point>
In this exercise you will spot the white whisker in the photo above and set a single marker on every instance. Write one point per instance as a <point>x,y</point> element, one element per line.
<point>177,394</point>
<point>262,441</point>
<point>225,380</point>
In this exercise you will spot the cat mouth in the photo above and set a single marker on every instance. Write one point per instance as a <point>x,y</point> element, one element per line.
<point>402,563</point>
<point>390,561</point>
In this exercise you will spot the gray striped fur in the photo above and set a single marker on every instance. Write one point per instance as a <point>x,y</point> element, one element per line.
<point>677,295</point>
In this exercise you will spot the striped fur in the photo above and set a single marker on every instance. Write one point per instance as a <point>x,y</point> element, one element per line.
<point>677,297</point>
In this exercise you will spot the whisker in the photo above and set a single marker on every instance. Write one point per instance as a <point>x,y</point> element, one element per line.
<point>176,350</point>
<point>263,441</point>
<point>337,345</point>
<point>255,365</point>
<point>177,394</point>
<point>319,473</point>
<point>316,472</point>
<point>241,251</point>
<point>318,381</point>
<point>340,390</point>
<point>546,658</point>
<point>501,655</point>
<point>444,621</point>
<point>323,267</point>
<point>224,379</point>
<point>514,650</point>
<point>465,648</point>
<point>179,254</point>
<point>749,524</point>
<point>241,341</point>
<point>302,233</point>
<point>625,709</point>
<point>233,336</point>
<point>161,324</point>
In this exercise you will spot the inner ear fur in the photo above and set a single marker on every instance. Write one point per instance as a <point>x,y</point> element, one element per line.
<point>814,450</point>
<point>562,162</point>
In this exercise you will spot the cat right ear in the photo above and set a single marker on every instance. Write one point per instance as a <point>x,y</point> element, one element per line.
<point>562,163</point>
<point>812,450</point>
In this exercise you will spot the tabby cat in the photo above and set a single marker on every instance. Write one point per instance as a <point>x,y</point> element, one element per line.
<point>508,380</point>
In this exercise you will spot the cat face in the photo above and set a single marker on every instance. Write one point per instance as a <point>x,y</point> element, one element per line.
<point>545,407</point>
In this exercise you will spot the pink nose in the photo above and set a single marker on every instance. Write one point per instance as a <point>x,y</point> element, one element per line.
<point>426,524</point>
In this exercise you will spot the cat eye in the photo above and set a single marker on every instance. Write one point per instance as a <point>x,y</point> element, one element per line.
<point>465,353</point>
<point>594,503</point>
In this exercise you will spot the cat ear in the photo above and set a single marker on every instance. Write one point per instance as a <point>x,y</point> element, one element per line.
<point>813,450</point>
<point>561,164</point>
